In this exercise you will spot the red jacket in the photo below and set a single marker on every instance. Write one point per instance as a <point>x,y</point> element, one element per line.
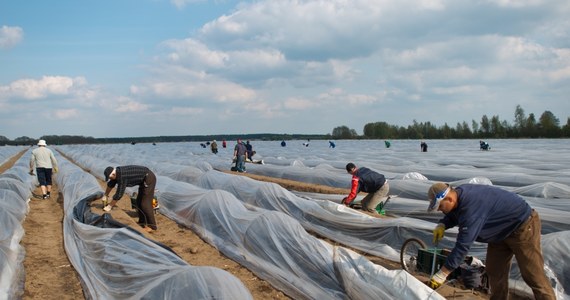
<point>364,180</point>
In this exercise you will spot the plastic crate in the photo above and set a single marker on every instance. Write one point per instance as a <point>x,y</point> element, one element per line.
<point>425,259</point>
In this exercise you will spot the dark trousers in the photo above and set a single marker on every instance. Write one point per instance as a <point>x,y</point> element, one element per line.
<point>524,244</point>
<point>144,201</point>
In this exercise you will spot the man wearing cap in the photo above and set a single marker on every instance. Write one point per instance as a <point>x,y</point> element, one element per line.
<point>499,218</point>
<point>44,162</point>
<point>368,181</point>
<point>128,176</point>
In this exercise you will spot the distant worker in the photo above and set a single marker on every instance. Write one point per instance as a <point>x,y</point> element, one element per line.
<point>504,221</point>
<point>214,147</point>
<point>423,146</point>
<point>240,155</point>
<point>129,176</point>
<point>332,144</point>
<point>387,143</point>
<point>484,146</point>
<point>283,144</point>
<point>45,163</point>
<point>224,144</point>
<point>249,148</point>
<point>368,181</point>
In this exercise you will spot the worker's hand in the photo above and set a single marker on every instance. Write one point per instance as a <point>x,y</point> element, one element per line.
<point>107,208</point>
<point>31,172</point>
<point>438,233</point>
<point>55,169</point>
<point>104,198</point>
<point>437,280</point>
<point>344,201</point>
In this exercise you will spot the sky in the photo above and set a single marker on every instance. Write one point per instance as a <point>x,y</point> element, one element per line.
<point>133,68</point>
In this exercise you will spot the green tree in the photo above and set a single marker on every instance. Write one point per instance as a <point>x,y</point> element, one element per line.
<point>475,127</point>
<point>531,129</point>
<point>497,128</point>
<point>520,120</point>
<point>549,125</point>
<point>343,132</point>
<point>485,126</point>
<point>566,128</point>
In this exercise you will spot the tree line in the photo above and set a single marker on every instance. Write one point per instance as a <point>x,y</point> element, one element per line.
<point>523,126</point>
<point>546,126</point>
<point>78,139</point>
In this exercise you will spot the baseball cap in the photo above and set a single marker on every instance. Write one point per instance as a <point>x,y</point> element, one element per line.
<point>108,172</point>
<point>436,193</point>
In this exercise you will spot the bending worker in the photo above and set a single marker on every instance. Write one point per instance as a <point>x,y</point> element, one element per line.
<point>366,180</point>
<point>499,218</point>
<point>128,176</point>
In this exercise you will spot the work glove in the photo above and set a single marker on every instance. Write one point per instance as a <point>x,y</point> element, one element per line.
<point>104,198</point>
<point>437,280</point>
<point>107,208</point>
<point>438,233</point>
<point>31,172</point>
<point>345,201</point>
<point>55,169</point>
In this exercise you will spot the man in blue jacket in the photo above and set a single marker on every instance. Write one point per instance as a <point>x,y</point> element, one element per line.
<point>499,218</point>
<point>368,181</point>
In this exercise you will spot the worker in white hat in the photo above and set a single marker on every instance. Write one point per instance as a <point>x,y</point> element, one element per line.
<point>44,162</point>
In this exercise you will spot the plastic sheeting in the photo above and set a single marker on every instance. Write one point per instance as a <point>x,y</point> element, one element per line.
<point>117,262</point>
<point>15,190</point>
<point>406,168</point>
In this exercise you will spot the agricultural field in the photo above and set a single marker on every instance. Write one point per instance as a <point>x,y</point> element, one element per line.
<point>276,231</point>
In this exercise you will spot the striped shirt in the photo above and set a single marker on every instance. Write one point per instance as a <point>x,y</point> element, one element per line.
<point>127,176</point>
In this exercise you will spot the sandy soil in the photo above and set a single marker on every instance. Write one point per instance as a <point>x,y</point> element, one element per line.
<point>49,274</point>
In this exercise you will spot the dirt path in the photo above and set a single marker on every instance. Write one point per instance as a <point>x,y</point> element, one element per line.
<point>49,274</point>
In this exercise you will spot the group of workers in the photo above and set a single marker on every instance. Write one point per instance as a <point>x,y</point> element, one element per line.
<point>483,213</point>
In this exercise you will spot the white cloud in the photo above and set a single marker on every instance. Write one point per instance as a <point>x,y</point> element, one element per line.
<point>10,36</point>
<point>125,105</point>
<point>41,88</point>
<point>180,4</point>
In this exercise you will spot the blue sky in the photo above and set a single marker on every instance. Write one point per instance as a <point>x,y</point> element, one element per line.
<point>130,68</point>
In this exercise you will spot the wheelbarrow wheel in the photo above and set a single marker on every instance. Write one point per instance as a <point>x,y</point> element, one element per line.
<point>409,254</point>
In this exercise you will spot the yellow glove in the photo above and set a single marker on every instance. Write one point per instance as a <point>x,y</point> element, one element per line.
<point>437,280</point>
<point>55,169</point>
<point>438,233</point>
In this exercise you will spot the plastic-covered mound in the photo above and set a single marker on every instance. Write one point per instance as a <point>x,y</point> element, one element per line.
<point>271,244</point>
<point>116,262</point>
<point>511,164</point>
<point>15,191</point>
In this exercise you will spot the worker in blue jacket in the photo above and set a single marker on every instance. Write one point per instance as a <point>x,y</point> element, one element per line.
<point>501,219</point>
<point>368,181</point>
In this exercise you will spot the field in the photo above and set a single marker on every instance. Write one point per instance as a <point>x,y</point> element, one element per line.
<point>49,273</point>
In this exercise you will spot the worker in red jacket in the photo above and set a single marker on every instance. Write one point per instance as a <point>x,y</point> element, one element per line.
<point>368,181</point>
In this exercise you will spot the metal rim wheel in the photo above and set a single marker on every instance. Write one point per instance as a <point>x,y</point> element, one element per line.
<point>409,254</point>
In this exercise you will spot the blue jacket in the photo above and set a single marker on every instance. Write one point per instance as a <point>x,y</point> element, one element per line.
<point>485,214</point>
<point>365,180</point>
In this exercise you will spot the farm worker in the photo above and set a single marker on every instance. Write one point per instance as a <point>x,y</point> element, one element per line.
<point>44,162</point>
<point>501,219</point>
<point>128,176</point>
<point>368,181</point>
<point>240,156</point>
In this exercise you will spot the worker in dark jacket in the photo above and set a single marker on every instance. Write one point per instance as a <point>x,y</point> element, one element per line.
<point>501,219</point>
<point>368,181</point>
<point>128,176</point>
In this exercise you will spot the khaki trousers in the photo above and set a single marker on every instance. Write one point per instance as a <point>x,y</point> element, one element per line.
<point>524,244</point>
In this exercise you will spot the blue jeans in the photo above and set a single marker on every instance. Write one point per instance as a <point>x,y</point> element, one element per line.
<point>240,163</point>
